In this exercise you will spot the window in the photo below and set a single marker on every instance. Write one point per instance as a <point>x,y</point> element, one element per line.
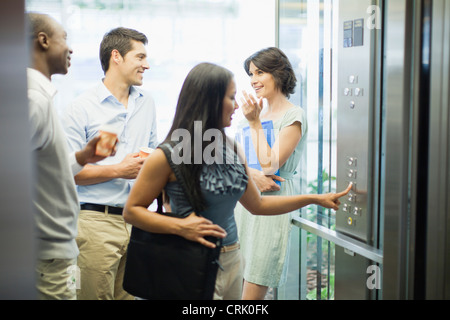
<point>181,34</point>
<point>307,36</point>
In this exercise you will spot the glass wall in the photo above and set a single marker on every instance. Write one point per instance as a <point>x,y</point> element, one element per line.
<point>181,33</point>
<point>307,34</point>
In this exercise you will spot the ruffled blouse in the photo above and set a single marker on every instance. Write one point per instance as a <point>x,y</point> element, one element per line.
<point>222,186</point>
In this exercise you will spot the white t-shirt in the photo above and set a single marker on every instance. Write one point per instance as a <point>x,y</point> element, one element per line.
<point>55,198</point>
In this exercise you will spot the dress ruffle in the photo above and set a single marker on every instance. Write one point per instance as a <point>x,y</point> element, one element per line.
<point>224,178</point>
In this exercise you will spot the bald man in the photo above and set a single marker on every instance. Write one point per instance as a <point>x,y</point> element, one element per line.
<point>55,198</point>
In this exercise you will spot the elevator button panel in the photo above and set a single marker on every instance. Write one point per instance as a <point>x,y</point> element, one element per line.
<point>355,105</point>
<point>358,62</point>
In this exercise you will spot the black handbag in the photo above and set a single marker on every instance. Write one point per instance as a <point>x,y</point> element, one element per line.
<point>170,267</point>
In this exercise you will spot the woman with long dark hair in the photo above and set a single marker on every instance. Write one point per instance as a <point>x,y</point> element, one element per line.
<point>205,107</point>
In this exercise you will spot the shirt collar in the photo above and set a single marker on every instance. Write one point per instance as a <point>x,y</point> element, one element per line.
<point>42,80</point>
<point>135,93</point>
<point>104,93</point>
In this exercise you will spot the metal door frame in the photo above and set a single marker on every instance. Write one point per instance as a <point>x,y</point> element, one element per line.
<point>438,222</point>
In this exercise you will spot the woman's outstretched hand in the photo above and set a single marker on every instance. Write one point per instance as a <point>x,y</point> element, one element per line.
<point>331,200</point>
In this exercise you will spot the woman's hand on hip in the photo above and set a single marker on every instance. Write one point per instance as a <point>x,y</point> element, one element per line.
<point>196,228</point>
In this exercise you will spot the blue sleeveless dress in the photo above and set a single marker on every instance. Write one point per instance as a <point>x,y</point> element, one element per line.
<point>222,185</point>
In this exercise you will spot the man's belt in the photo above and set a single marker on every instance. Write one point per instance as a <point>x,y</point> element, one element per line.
<point>102,208</point>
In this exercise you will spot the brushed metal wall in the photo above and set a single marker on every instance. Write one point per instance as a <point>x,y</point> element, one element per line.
<point>17,254</point>
<point>438,223</point>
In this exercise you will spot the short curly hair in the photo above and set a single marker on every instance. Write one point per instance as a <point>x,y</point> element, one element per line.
<point>272,60</point>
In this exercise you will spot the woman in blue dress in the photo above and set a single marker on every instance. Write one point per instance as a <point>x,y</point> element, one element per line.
<point>205,107</point>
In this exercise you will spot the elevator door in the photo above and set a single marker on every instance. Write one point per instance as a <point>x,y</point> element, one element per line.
<point>334,45</point>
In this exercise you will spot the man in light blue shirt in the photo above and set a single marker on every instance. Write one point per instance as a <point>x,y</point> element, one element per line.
<point>103,188</point>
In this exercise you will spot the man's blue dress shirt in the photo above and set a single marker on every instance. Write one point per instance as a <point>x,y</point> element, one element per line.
<point>136,127</point>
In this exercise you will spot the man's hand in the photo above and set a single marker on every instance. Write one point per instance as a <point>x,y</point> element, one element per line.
<point>130,166</point>
<point>87,154</point>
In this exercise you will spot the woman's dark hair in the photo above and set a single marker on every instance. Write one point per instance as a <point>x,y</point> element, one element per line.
<point>201,99</point>
<point>119,39</point>
<point>272,60</point>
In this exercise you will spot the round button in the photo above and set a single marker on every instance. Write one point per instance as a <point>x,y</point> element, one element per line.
<point>352,105</point>
<point>350,221</point>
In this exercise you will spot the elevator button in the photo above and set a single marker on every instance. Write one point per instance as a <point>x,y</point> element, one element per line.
<point>351,197</point>
<point>357,211</point>
<point>353,79</point>
<point>351,174</point>
<point>347,92</point>
<point>358,92</point>
<point>353,188</point>
<point>346,208</point>
<point>352,105</point>
<point>349,221</point>
<point>351,161</point>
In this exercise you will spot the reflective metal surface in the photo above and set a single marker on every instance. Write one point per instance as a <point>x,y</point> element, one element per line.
<point>356,113</point>
<point>358,117</point>
<point>351,245</point>
<point>16,219</point>
<point>438,222</point>
<point>396,171</point>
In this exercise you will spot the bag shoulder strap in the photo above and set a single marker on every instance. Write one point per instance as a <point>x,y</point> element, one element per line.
<point>168,150</point>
